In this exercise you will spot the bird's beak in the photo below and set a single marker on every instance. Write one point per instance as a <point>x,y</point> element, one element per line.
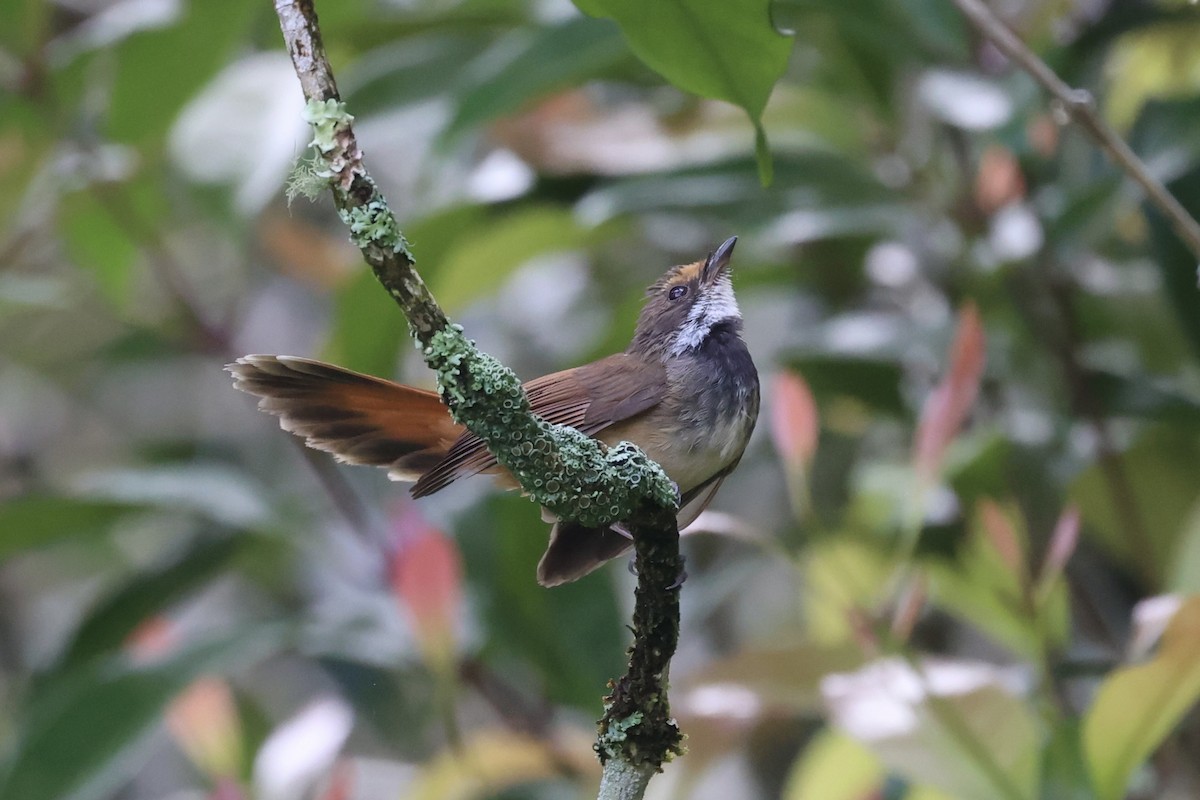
<point>718,261</point>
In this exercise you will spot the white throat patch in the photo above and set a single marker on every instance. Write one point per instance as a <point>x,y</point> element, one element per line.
<point>715,305</point>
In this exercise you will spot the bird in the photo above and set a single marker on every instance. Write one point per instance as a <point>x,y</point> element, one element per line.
<point>685,391</point>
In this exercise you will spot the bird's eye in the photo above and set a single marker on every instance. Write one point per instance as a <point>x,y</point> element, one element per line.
<point>677,292</point>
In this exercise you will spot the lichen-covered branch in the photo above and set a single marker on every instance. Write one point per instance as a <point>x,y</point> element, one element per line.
<point>558,467</point>
<point>637,717</point>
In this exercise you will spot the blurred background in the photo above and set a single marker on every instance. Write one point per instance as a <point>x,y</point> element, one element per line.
<point>954,564</point>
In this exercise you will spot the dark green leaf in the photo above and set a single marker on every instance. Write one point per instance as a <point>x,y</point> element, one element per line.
<point>31,522</point>
<point>579,49</point>
<point>1141,525</point>
<point>83,739</point>
<point>571,635</point>
<point>1176,262</point>
<point>146,97</point>
<point>99,244</point>
<point>480,260</point>
<point>874,382</point>
<point>409,70</point>
<point>1141,396</point>
<point>150,591</point>
<point>825,194</point>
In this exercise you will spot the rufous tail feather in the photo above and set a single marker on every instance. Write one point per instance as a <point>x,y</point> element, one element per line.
<point>359,418</point>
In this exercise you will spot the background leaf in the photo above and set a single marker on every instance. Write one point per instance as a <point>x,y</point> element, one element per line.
<point>1137,706</point>
<point>726,51</point>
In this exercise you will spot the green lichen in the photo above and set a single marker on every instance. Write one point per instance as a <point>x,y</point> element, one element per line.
<point>562,469</point>
<point>328,118</point>
<point>309,177</point>
<point>373,224</point>
<point>614,739</point>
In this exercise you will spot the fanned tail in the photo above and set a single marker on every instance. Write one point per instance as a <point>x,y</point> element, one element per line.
<point>358,418</point>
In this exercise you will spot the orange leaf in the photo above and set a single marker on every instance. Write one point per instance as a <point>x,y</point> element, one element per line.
<point>1004,538</point>
<point>341,781</point>
<point>426,576</point>
<point>795,426</point>
<point>947,406</point>
<point>152,640</point>
<point>204,720</point>
<point>1062,545</point>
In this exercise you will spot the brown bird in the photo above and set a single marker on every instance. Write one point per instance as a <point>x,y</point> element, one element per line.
<point>685,391</point>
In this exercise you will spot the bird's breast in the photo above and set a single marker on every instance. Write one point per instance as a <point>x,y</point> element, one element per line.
<point>705,419</point>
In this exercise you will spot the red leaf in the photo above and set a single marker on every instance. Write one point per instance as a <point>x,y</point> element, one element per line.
<point>341,781</point>
<point>908,608</point>
<point>426,576</point>
<point>1062,545</point>
<point>795,426</point>
<point>947,406</point>
<point>227,789</point>
<point>152,640</point>
<point>1004,538</point>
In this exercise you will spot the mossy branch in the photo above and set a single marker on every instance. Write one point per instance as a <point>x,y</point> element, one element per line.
<point>558,467</point>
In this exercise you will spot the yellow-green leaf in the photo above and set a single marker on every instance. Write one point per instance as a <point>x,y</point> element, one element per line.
<point>1138,706</point>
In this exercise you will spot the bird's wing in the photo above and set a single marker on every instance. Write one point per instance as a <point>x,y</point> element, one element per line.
<point>589,398</point>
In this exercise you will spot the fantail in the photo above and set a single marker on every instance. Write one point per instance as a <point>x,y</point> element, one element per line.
<point>685,391</point>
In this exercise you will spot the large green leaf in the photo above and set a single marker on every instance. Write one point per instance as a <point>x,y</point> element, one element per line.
<point>726,51</point>
<point>23,25</point>
<point>1141,527</point>
<point>482,259</point>
<point>148,592</point>
<point>579,49</point>
<point>957,726</point>
<point>819,195</point>
<point>82,740</point>
<point>1138,706</point>
<point>570,635</point>
<point>835,767</point>
<point>99,244</point>
<point>873,381</point>
<point>1176,262</point>
<point>34,521</point>
<point>145,95</point>
<point>408,70</point>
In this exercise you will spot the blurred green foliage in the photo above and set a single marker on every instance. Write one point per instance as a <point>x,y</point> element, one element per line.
<point>178,578</point>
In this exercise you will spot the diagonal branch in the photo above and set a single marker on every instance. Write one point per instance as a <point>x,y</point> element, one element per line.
<point>1081,107</point>
<point>560,468</point>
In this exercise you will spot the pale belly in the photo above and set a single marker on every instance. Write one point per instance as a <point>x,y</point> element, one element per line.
<point>689,460</point>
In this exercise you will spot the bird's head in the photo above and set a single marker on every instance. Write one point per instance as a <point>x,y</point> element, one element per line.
<point>686,304</point>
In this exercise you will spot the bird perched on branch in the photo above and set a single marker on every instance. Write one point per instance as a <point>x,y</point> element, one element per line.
<point>685,391</point>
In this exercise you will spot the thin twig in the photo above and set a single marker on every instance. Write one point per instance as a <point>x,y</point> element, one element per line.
<point>1081,107</point>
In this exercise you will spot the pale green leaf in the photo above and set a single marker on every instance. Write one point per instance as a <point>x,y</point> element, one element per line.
<point>1138,706</point>
<point>834,767</point>
<point>484,258</point>
<point>957,726</point>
